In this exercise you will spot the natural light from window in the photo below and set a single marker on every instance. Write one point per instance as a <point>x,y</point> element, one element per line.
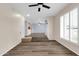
<point>69,26</point>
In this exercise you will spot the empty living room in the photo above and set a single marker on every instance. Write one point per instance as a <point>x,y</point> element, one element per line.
<point>39,29</point>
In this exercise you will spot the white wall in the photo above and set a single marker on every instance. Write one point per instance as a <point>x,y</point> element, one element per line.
<point>22,27</point>
<point>10,28</point>
<point>39,28</point>
<point>25,28</point>
<point>50,28</point>
<point>72,46</point>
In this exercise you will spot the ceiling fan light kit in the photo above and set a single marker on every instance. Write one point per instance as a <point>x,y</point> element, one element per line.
<point>39,9</point>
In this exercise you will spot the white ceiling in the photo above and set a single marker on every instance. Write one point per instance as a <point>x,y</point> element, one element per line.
<point>36,16</point>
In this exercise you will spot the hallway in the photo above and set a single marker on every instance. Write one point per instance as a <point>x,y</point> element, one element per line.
<point>40,46</point>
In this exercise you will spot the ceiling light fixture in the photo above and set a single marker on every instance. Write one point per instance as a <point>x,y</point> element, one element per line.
<point>17,15</point>
<point>38,4</point>
<point>28,15</point>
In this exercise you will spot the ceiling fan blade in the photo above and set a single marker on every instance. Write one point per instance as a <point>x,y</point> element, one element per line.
<point>33,5</point>
<point>40,3</point>
<point>46,6</point>
<point>39,9</point>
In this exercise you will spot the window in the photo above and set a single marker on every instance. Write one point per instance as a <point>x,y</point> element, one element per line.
<point>74,25</point>
<point>69,26</point>
<point>61,27</point>
<point>66,26</point>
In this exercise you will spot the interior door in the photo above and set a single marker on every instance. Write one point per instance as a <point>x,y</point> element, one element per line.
<point>74,26</point>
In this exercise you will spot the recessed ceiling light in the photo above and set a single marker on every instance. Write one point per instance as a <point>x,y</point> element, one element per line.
<point>28,15</point>
<point>18,15</point>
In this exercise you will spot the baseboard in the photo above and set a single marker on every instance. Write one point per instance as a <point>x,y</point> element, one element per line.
<point>72,47</point>
<point>12,46</point>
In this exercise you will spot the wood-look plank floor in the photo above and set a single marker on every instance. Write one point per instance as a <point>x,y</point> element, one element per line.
<point>40,46</point>
<point>40,49</point>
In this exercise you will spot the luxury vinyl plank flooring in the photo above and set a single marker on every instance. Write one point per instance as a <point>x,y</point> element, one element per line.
<point>39,47</point>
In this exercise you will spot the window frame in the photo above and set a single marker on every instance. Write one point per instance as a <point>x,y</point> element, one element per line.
<point>69,25</point>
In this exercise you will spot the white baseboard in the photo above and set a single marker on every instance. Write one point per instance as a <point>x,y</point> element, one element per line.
<point>71,46</point>
<point>11,46</point>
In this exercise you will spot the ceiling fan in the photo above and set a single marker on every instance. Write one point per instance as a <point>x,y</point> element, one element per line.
<point>39,9</point>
